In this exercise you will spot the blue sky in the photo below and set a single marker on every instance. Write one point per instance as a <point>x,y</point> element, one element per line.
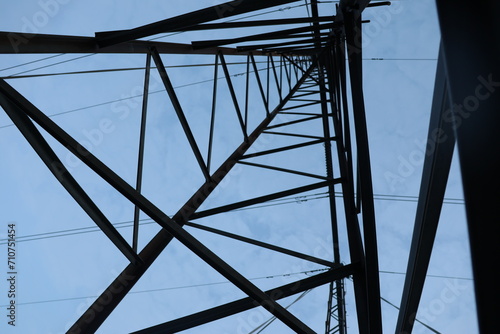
<point>398,93</point>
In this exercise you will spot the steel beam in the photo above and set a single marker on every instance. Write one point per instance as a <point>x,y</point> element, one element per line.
<point>288,71</point>
<point>104,305</point>
<point>212,115</point>
<point>439,153</point>
<point>284,148</point>
<point>353,35</point>
<point>245,304</point>
<point>257,23</point>
<point>247,88</point>
<point>123,42</point>
<point>269,45</point>
<point>292,135</point>
<point>20,43</point>
<point>264,245</point>
<point>180,113</point>
<point>257,200</point>
<point>177,23</point>
<point>297,66</point>
<point>233,95</point>
<point>259,83</point>
<point>356,248</point>
<point>285,170</point>
<point>90,321</point>
<point>51,160</point>
<point>356,6</point>
<point>280,34</point>
<point>306,119</point>
<point>302,106</point>
<point>473,80</point>
<point>344,128</point>
<point>278,86</point>
<point>321,59</point>
<point>308,51</point>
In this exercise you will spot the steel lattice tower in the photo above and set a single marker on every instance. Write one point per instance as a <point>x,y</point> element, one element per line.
<point>312,71</point>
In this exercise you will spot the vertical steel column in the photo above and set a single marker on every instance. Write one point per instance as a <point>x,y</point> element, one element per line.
<point>337,286</point>
<point>356,248</point>
<point>353,39</point>
<point>439,152</point>
<point>247,87</point>
<point>470,35</point>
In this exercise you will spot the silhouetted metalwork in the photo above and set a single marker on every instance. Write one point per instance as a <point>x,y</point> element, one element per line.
<point>466,79</point>
<point>306,65</point>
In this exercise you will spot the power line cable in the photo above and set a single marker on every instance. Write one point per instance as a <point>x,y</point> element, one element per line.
<point>116,70</point>
<point>152,39</point>
<point>45,66</point>
<point>147,221</point>
<point>173,288</point>
<point>15,76</point>
<point>134,96</point>
<point>31,62</point>
<point>168,35</point>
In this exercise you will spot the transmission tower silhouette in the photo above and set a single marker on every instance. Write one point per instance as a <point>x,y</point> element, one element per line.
<point>301,91</point>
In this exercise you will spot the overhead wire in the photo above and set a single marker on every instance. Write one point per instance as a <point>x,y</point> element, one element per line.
<point>429,275</point>
<point>134,96</point>
<point>174,288</point>
<point>32,62</point>
<point>123,99</point>
<point>164,36</point>
<point>126,69</point>
<point>160,37</point>
<point>307,272</point>
<point>116,70</point>
<point>15,76</point>
<point>139,95</point>
<point>416,319</point>
<point>50,65</point>
<point>147,221</point>
<point>151,39</point>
